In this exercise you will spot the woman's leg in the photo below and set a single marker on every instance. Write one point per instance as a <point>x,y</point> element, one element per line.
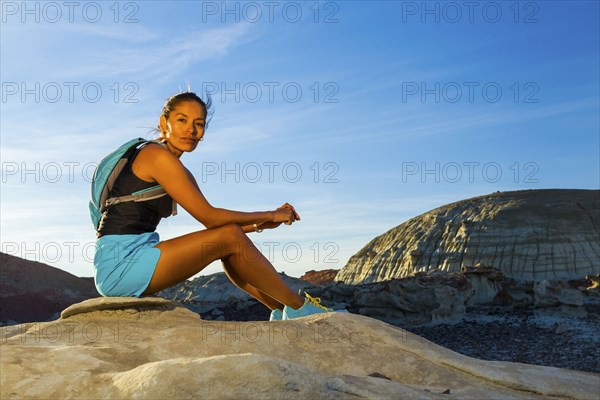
<point>251,290</point>
<point>187,255</point>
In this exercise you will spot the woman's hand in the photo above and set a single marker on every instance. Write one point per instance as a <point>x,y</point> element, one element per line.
<point>286,214</point>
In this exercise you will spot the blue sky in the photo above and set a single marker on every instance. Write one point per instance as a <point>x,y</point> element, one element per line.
<point>362,114</point>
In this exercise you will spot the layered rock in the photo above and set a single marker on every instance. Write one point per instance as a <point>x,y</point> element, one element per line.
<point>529,235</point>
<point>152,348</point>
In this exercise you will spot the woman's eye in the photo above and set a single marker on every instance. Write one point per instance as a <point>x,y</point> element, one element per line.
<point>181,120</point>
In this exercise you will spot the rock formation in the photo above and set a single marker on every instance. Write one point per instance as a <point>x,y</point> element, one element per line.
<point>425,298</point>
<point>321,277</point>
<point>433,298</point>
<point>529,235</point>
<point>129,348</point>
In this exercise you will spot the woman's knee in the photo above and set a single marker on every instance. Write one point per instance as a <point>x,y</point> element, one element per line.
<point>231,233</point>
<point>240,245</point>
<point>233,237</point>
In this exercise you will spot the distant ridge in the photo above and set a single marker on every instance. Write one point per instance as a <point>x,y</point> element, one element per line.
<point>528,234</point>
<point>33,291</point>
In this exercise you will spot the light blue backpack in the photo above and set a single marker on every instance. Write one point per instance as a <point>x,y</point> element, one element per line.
<point>106,174</point>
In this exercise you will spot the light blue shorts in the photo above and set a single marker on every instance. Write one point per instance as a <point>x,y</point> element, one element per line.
<point>124,264</point>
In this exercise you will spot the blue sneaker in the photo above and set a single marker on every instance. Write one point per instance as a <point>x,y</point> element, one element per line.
<point>276,315</point>
<point>311,306</point>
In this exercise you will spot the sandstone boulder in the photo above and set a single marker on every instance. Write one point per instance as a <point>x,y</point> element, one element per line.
<point>141,348</point>
<point>553,293</point>
<point>414,301</point>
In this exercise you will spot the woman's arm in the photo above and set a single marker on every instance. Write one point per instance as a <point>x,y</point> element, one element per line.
<point>245,228</point>
<point>155,163</point>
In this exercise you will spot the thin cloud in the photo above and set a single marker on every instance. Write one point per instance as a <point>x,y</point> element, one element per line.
<point>163,59</point>
<point>131,33</point>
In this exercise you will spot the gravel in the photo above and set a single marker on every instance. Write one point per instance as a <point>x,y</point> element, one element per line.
<point>564,342</point>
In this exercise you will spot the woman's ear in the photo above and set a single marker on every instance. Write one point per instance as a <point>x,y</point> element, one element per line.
<point>162,123</point>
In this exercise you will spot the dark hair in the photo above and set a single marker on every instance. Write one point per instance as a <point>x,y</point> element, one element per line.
<point>175,100</point>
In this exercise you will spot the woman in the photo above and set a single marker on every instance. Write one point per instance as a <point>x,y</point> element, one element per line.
<point>131,261</point>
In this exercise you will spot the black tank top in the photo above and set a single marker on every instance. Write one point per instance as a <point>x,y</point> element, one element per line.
<point>133,217</point>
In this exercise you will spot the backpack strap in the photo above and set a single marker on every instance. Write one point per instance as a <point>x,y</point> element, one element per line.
<point>150,193</point>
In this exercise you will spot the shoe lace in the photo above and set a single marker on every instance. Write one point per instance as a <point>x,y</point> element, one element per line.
<point>317,302</point>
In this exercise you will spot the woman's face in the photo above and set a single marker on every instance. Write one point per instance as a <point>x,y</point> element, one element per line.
<point>185,127</point>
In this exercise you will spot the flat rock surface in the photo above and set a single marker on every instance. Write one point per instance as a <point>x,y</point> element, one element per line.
<point>112,303</point>
<point>169,352</point>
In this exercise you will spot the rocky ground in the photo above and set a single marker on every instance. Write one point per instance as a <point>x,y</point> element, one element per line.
<point>565,342</point>
<point>499,334</point>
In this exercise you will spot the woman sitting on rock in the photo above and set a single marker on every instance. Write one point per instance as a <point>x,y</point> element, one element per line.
<point>131,261</point>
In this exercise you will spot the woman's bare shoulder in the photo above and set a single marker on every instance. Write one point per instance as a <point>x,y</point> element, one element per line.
<point>153,152</point>
<point>151,156</point>
<point>154,147</point>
